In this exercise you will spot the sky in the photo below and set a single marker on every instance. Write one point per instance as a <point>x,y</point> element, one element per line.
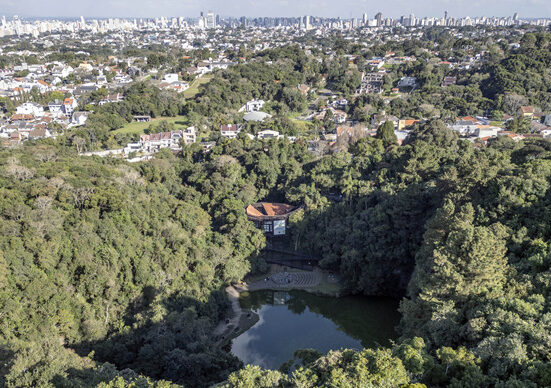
<point>252,8</point>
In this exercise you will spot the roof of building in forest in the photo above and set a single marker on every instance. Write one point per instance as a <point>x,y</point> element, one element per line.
<point>269,209</point>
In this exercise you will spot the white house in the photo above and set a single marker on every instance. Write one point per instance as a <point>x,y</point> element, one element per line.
<point>79,118</point>
<point>486,131</point>
<point>170,78</point>
<point>122,79</point>
<point>30,108</point>
<point>69,105</point>
<point>341,103</point>
<point>155,141</point>
<point>407,82</point>
<point>254,105</point>
<point>133,147</point>
<point>230,130</point>
<point>55,107</point>
<point>117,97</point>
<point>189,135</point>
<point>62,71</point>
<point>268,134</point>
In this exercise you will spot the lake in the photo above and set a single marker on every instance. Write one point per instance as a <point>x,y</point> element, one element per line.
<point>297,320</point>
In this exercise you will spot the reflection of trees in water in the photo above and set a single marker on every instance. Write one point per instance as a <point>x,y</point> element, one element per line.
<point>255,300</point>
<point>370,320</point>
<point>281,297</point>
<point>296,304</point>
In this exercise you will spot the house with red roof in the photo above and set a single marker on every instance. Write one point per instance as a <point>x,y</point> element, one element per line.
<point>527,111</point>
<point>271,217</point>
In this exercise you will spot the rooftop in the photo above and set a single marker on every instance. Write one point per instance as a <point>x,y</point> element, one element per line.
<point>270,209</point>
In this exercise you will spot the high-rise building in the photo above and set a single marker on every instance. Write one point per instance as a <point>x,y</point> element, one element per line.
<point>379,18</point>
<point>202,21</point>
<point>211,20</point>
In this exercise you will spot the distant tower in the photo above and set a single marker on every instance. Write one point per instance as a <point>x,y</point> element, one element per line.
<point>446,15</point>
<point>515,16</point>
<point>379,18</point>
<point>211,20</point>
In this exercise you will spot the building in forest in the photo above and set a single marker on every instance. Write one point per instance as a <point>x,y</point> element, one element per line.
<point>271,217</point>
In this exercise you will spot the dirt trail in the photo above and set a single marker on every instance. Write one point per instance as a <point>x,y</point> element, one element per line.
<point>224,329</point>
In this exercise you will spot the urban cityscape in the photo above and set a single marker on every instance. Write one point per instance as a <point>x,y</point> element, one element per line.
<point>219,201</point>
<point>211,20</point>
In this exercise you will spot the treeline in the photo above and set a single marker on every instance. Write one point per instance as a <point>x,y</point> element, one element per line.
<point>405,365</point>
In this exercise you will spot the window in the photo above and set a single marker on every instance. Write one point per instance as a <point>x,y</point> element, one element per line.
<point>268,226</point>
<point>279,227</point>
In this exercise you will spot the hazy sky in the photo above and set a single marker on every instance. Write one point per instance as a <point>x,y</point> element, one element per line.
<point>343,8</point>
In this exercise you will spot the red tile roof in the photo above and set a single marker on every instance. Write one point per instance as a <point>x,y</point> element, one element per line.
<point>270,209</point>
<point>229,128</point>
<point>527,109</point>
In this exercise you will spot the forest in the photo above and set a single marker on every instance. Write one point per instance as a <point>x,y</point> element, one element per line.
<point>105,263</point>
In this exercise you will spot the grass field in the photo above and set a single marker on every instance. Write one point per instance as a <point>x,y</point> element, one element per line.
<point>194,87</point>
<point>138,128</point>
<point>304,127</point>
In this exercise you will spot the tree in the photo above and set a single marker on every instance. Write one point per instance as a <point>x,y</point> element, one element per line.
<point>519,125</point>
<point>385,132</point>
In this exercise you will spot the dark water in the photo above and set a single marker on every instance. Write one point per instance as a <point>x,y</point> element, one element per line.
<point>298,320</point>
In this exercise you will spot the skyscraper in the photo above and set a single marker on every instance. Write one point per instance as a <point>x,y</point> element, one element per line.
<point>379,18</point>
<point>211,20</point>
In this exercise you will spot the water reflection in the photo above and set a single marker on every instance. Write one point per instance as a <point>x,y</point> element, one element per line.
<point>297,320</point>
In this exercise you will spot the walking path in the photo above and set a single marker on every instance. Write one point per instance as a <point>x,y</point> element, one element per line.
<point>224,328</point>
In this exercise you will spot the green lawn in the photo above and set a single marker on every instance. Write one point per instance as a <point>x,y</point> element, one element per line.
<point>138,128</point>
<point>194,87</point>
<point>303,126</point>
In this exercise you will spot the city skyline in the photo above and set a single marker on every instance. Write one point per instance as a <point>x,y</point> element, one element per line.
<point>279,8</point>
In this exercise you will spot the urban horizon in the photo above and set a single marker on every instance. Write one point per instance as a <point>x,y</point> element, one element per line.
<point>230,17</point>
<point>210,20</point>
